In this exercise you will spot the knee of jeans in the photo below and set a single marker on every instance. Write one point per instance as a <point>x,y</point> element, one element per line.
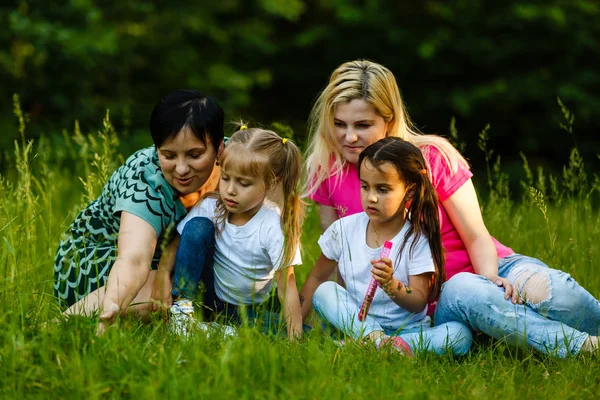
<point>463,288</point>
<point>199,229</point>
<point>323,294</point>
<point>534,286</point>
<point>552,290</point>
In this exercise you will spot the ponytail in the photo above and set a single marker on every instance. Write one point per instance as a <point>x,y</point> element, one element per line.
<point>424,219</point>
<point>293,208</point>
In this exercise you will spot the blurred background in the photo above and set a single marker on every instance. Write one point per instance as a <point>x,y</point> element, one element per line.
<point>502,63</point>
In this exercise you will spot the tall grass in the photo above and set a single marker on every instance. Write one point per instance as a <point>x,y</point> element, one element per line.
<point>556,220</point>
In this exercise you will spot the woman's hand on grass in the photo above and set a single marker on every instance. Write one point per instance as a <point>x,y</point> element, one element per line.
<point>108,317</point>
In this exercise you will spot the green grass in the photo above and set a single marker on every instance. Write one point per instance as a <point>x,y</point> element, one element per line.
<point>38,199</point>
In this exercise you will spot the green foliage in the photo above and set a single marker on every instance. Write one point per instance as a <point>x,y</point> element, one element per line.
<point>122,55</point>
<point>31,225</point>
<point>539,201</point>
<point>285,131</point>
<point>42,357</point>
<point>502,62</point>
<point>528,183</point>
<point>456,142</point>
<point>567,126</point>
<point>482,144</point>
<point>45,357</point>
<point>99,155</point>
<point>574,176</point>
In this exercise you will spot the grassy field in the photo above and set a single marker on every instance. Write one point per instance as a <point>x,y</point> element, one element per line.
<point>44,187</point>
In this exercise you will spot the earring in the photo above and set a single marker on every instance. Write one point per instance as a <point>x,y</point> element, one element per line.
<point>217,163</point>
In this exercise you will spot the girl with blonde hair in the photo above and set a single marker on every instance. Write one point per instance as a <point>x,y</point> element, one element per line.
<point>360,105</point>
<point>256,241</point>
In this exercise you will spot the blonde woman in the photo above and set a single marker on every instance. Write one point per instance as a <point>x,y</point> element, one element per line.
<point>360,105</point>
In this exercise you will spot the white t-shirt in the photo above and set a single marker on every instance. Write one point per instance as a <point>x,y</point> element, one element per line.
<point>246,257</point>
<point>345,241</point>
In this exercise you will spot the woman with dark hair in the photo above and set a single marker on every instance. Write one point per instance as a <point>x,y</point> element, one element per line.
<point>118,254</point>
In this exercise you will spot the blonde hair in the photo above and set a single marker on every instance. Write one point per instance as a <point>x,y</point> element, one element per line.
<point>376,85</point>
<point>278,163</point>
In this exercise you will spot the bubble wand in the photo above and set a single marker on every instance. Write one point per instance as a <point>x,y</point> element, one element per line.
<point>364,308</point>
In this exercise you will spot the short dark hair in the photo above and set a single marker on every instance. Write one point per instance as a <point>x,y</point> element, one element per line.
<point>187,108</point>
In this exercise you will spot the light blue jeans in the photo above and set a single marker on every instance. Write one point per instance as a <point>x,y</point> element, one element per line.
<point>557,319</point>
<point>333,303</point>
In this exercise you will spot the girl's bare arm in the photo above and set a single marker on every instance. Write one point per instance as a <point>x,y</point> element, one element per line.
<point>288,296</point>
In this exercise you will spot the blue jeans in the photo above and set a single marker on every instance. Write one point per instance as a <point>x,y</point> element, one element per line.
<point>194,260</point>
<point>333,303</point>
<point>557,319</point>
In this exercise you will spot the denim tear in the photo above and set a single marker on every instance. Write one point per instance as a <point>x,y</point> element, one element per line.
<point>509,314</point>
<point>534,285</point>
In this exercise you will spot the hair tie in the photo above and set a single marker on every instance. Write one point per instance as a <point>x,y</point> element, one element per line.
<point>243,128</point>
<point>283,140</point>
<point>423,171</point>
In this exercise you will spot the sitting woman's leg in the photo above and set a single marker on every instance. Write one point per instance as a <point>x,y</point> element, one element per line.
<point>552,293</point>
<point>479,303</point>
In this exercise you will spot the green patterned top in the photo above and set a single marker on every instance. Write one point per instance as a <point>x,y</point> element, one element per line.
<point>89,248</point>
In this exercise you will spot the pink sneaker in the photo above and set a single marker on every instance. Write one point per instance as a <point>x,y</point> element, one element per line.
<point>396,343</point>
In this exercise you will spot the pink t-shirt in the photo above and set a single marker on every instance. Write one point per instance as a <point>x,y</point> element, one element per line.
<point>343,193</point>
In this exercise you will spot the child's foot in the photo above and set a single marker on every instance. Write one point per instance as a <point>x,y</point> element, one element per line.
<point>181,316</point>
<point>396,343</point>
<point>590,345</point>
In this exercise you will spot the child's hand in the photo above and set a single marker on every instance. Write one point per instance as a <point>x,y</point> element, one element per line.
<point>383,272</point>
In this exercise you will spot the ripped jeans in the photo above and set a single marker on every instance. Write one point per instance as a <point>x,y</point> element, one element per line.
<point>556,318</point>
